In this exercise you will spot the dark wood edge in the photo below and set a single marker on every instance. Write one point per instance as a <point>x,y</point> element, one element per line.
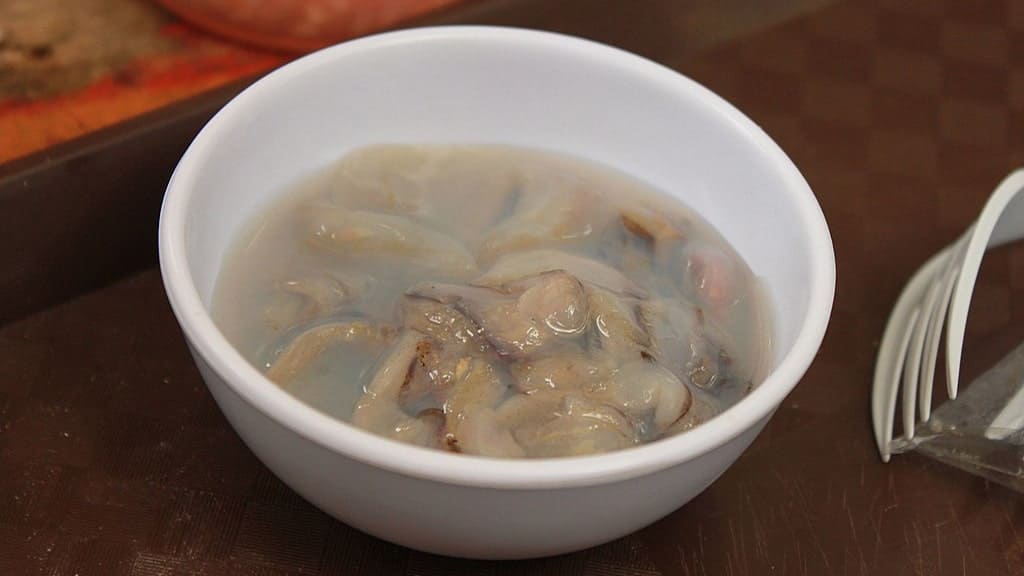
<point>83,213</point>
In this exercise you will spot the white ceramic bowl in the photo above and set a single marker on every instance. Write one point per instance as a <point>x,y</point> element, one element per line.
<point>481,84</point>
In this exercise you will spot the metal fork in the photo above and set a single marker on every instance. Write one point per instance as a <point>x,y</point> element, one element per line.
<point>942,286</point>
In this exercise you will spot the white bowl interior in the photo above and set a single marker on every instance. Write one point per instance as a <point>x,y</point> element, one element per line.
<point>522,88</point>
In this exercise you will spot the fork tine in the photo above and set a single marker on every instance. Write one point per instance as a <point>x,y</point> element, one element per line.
<point>935,324</point>
<point>932,353</point>
<point>929,320</point>
<point>884,404</point>
<point>912,364</point>
<point>892,352</point>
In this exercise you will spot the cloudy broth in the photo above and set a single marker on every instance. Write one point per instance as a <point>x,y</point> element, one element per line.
<point>494,300</point>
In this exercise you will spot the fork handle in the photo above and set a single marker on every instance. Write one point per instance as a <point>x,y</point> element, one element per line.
<point>1010,226</point>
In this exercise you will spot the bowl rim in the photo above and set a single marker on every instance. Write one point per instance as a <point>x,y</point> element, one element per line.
<point>260,393</point>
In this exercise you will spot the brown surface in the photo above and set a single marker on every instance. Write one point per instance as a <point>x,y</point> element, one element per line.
<point>902,115</point>
<point>84,213</point>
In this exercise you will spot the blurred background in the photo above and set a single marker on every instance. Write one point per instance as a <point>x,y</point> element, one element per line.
<point>68,68</point>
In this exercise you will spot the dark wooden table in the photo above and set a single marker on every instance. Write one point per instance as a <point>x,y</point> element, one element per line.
<point>902,115</point>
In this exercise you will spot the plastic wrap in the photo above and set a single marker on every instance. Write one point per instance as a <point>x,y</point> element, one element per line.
<point>982,431</point>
